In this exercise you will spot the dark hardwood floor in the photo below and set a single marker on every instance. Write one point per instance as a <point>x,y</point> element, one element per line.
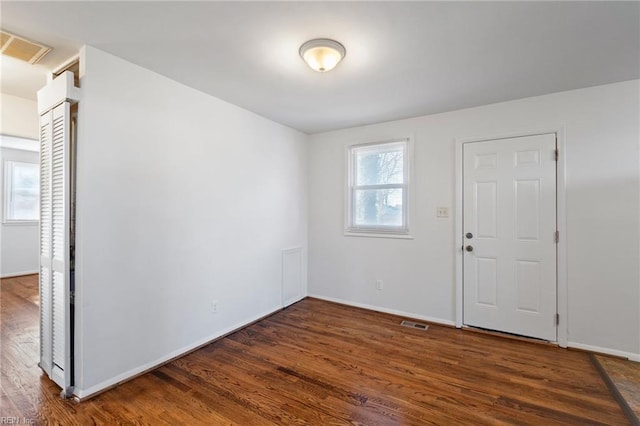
<point>318,363</point>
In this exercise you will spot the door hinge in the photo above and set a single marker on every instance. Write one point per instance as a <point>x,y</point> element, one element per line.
<point>557,154</point>
<point>556,236</point>
<point>557,319</point>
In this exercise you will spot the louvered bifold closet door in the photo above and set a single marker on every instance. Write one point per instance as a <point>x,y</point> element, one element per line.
<point>46,325</point>
<point>54,245</point>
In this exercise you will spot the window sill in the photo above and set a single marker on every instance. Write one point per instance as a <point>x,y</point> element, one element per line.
<point>20,222</point>
<point>378,235</point>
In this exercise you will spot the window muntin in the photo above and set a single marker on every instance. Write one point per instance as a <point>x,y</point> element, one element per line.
<point>21,192</point>
<point>378,188</point>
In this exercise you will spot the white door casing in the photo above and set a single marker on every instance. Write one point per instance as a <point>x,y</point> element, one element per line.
<point>509,208</point>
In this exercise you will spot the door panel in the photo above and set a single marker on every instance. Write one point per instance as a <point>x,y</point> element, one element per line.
<point>509,198</point>
<point>487,279</point>
<point>45,290</point>
<point>486,201</point>
<point>527,285</point>
<point>527,212</point>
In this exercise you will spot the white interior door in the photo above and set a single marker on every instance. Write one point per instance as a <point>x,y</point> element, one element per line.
<point>55,327</point>
<point>509,227</point>
<point>46,287</point>
<point>54,107</point>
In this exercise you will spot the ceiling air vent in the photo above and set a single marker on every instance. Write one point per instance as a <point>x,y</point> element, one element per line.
<point>21,48</point>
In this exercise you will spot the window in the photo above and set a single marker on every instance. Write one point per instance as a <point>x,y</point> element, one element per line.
<point>21,191</point>
<point>378,188</point>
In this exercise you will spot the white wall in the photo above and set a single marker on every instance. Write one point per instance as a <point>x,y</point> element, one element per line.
<point>19,242</point>
<point>602,205</point>
<point>182,199</point>
<point>18,117</point>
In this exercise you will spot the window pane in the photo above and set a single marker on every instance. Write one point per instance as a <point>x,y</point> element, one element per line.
<point>380,165</point>
<point>24,191</point>
<point>378,207</point>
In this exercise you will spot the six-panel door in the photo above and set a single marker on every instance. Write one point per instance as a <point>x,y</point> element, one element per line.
<point>509,198</point>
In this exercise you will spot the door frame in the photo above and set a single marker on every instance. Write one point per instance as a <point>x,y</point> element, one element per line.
<point>561,219</point>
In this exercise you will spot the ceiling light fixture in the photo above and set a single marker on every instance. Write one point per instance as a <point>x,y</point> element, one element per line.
<point>322,54</point>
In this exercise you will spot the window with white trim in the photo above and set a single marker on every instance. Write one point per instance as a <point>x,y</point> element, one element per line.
<point>378,188</point>
<point>21,192</point>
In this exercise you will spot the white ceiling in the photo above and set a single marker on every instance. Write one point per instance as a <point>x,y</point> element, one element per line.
<point>403,59</point>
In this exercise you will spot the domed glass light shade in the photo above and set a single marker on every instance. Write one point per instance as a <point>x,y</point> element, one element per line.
<point>322,54</point>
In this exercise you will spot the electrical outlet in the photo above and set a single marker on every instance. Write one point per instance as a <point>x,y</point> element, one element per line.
<point>379,285</point>
<point>442,211</point>
<point>214,306</point>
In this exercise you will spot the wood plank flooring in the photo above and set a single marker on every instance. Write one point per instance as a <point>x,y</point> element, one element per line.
<point>318,363</point>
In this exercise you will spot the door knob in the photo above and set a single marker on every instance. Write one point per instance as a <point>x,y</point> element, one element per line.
<point>469,248</point>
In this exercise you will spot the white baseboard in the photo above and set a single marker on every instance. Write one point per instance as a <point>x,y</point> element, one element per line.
<point>385,310</point>
<point>18,274</point>
<point>87,393</point>
<point>629,355</point>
